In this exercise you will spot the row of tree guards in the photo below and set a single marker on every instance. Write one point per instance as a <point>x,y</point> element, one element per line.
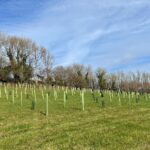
<point>8,90</point>
<point>35,97</point>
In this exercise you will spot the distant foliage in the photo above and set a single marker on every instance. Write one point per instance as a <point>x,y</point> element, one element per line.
<point>22,60</point>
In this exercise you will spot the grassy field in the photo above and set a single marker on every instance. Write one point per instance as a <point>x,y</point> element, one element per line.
<point>113,124</point>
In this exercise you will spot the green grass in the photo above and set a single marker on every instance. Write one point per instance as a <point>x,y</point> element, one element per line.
<point>116,126</point>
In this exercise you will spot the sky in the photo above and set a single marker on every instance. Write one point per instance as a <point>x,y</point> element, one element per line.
<point>112,34</point>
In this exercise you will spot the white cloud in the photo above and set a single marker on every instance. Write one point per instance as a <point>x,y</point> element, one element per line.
<point>75,30</point>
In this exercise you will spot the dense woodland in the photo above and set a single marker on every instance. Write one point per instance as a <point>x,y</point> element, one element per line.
<point>23,61</point>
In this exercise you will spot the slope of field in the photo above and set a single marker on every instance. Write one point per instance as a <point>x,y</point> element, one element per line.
<point>113,124</point>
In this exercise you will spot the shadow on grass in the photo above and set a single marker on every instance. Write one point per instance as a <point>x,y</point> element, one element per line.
<point>42,113</point>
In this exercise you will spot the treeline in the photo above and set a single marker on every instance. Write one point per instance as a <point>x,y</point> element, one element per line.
<point>80,76</point>
<point>22,60</point>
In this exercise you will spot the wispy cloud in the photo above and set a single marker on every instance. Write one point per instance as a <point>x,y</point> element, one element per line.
<point>107,33</point>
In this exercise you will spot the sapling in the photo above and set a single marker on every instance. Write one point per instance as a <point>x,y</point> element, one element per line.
<point>34,95</point>
<point>46,104</point>
<point>55,94</point>
<point>93,96</point>
<point>80,93</point>
<point>66,90</point>
<point>42,95</point>
<point>21,98</point>
<point>25,90</point>
<point>132,95</point>
<point>100,94</point>
<point>10,93</point>
<point>0,93</point>
<point>16,91</point>
<point>102,101</point>
<point>27,96</point>
<point>13,96</point>
<point>32,92</point>
<point>5,90</point>
<point>64,99</point>
<point>146,96</point>
<point>33,105</point>
<point>126,94</point>
<point>137,99</point>
<point>110,97</point>
<point>129,98</point>
<point>72,91</point>
<point>119,99</point>
<point>19,85</point>
<point>49,93</point>
<point>82,100</point>
<point>6,93</point>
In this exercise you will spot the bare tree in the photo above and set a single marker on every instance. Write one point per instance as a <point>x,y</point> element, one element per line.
<point>101,74</point>
<point>47,60</point>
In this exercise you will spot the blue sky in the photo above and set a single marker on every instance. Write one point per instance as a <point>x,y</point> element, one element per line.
<point>114,34</point>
